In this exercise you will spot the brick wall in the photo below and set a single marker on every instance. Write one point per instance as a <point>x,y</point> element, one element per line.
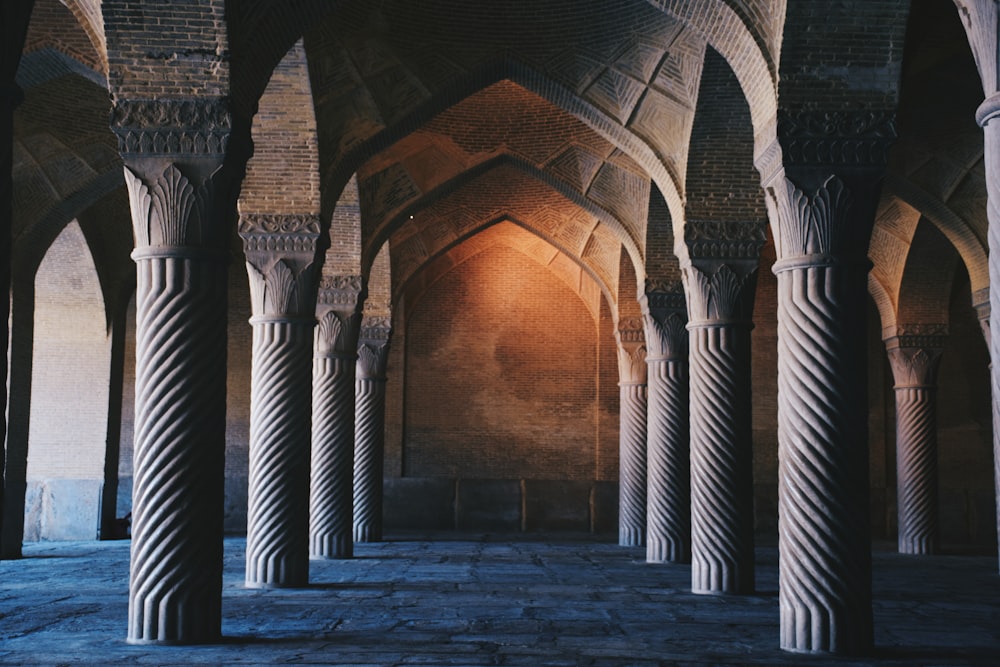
<point>501,375</point>
<point>164,49</point>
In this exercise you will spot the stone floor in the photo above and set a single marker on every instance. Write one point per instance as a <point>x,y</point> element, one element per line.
<point>488,600</point>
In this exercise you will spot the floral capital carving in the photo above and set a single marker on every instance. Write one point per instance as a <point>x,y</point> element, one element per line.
<point>191,126</point>
<point>722,296</point>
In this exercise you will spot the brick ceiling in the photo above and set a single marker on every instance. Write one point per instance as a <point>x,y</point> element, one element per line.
<point>592,124</point>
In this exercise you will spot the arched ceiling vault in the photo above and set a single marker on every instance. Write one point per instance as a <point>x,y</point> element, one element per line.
<point>531,202</point>
<point>628,71</point>
<point>936,166</point>
<point>512,234</point>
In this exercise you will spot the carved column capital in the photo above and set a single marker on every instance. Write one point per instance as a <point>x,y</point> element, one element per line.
<point>825,193</point>
<point>724,240</point>
<point>174,151</point>
<point>631,352</point>
<point>373,348</point>
<point>720,294</point>
<point>280,251</point>
<point>665,321</point>
<point>167,127</point>
<point>338,310</point>
<point>915,354</point>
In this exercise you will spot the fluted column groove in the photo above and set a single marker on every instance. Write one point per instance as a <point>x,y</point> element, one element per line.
<point>915,354</point>
<point>825,567</point>
<point>180,209</point>
<point>331,503</point>
<point>280,249</point>
<point>277,513</point>
<point>369,453</point>
<point>722,559</point>
<point>668,501</point>
<point>175,581</point>
<point>988,116</point>
<point>632,464</point>
<point>916,470</point>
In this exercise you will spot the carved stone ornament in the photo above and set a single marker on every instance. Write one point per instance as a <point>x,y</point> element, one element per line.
<point>665,294</point>
<point>666,335</point>
<point>192,126</point>
<point>376,329</point>
<point>631,352</point>
<point>342,292</point>
<point>280,251</point>
<point>915,366</point>
<point>860,137</point>
<point>725,239</point>
<point>169,210</point>
<point>931,336</point>
<point>724,296</point>
<point>337,333</point>
<point>813,224</point>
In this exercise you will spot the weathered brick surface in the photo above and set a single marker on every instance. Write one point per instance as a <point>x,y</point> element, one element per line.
<point>175,49</point>
<point>501,369</point>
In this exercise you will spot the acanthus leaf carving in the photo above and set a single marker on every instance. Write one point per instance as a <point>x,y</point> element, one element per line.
<point>173,200</point>
<point>813,224</point>
<point>372,358</point>
<point>141,203</point>
<point>724,295</point>
<point>257,291</point>
<point>666,335</point>
<point>330,331</point>
<point>915,366</point>
<point>280,290</point>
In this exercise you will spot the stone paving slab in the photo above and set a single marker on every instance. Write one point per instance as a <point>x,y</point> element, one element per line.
<point>451,600</point>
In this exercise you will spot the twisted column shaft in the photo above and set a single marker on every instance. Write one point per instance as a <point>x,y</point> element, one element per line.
<point>915,354</point>
<point>175,573</point>
<point>632,465</point>
<point>369,417</point>
<point>668,463</point>
<point>825,566</point>
<point>175,579</point>
<point>331,504</point>
<point>988,118</point>
<point>277,553</point>
<point>369,450</point>
<point>720,306</point>
<point>280,250</point>
<point>916,470</point>
<point>722,559</point>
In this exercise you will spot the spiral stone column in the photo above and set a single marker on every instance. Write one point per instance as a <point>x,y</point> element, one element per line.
<point>982,25</point>
<point>720,306</point>
<point>668,472</point>
<point>915,354</point>
<point>331,502</point>
<point>181,225</point>
<point>632,434</point>
<point>824,200</point>
<point>280,251</point>
<point>369,437</point>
